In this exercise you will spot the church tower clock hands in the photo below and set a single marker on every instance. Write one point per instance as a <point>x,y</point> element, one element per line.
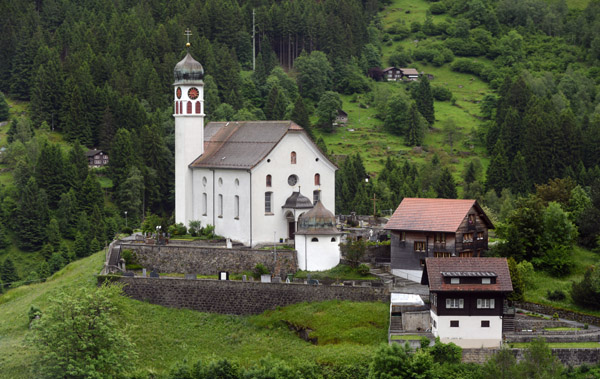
<point>188,110</point>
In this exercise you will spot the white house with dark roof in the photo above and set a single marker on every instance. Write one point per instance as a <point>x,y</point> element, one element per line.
<point>467,300</point>
<point>252,180</point>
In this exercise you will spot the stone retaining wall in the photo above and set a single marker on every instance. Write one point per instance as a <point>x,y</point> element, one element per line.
<point>569,315</point>
<point>207,260</point>
<point>555,336</point>
<point>237,297</point>
<point>572,357</point>
<point>533,323</point>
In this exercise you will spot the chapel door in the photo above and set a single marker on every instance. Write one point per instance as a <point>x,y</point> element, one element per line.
<point>291,229</point>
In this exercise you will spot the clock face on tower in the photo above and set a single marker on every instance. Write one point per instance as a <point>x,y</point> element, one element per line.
<point>178,92</point>
<point>193,93</point>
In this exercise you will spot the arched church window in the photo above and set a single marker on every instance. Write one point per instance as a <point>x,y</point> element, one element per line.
<point>198,107</point>
<point>268,200</point>
<point>176,108</point>
<point>204,203</point>
<point>317,180</point>
<point>268,180</point>
<point>293,157</point>
<point>315,239</point>
<point>236,207</point>
<point>189,107</point>
<point>220,204</point>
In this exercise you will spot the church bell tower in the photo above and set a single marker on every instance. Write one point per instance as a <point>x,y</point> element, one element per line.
<point>188,110</point>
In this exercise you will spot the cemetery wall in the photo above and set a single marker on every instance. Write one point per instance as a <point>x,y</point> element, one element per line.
<point>237,297</point>
<point>562,313</point>
<point>206,260</point>
<point>572,357</point>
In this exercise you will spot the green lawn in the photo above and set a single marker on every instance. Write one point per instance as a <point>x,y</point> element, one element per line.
<point>561,329</point>
<point>339,272</point>
<point>348,332</point>
<point>406,337</point>
<point>544,282</point>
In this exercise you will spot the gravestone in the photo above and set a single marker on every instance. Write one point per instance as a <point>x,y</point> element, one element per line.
<point>313,282</point>
<point>154,274</point>
<point>143,273</point>
<point>190,276</point>
<point>244,278</point>
<point>276,279</point>
<point>265,278</point>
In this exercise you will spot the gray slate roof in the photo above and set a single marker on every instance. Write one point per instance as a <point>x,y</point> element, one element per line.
<point>241,144</point>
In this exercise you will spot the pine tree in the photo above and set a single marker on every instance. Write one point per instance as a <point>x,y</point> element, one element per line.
<point>519,178</point>
<point>497,175</point>
<point>122,157</point>
<point>471,173</point>
<point>446,188</point>
<point>300,115</point>
<point>50,173</point>
<point>4,110</point>
<point>32,216</point>
<point>80,246</point>
<point>76,167</point>
<point>12,131</point>
<point>5,240</point>
<point>8,272</point>
<point>424,99</point>
<point>47,91</point>
<point>415,132</point>
<point>53,233</point>
<point>67,213</point>
<point>91,194</point>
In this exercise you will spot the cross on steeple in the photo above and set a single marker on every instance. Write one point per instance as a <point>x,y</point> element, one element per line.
<point>188,33</point>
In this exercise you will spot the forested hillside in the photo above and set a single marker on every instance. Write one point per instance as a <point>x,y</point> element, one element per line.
<point>512,104</point>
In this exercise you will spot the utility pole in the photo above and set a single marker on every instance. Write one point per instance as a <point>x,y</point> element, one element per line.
<point>253,42</point>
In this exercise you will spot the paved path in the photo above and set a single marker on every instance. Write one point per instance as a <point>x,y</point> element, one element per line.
<point>398,284</point>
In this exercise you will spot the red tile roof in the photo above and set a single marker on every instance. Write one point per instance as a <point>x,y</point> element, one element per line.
<point>435,267</point>
<point>433,215</point>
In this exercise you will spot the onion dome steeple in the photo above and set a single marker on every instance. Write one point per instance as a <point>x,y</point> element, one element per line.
<point>188,69</point>
<point>317,221</point>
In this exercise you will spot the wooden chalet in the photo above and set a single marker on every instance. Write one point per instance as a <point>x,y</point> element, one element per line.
<point>468,300</point>
<point>427,228</point>
<point>96,158</point>
<point>392,74</point>
<point>410,74</point>
<point>341,117</point>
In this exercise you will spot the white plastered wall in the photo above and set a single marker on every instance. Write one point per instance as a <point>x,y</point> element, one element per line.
<point>320,255</point>
<point>309,161</point>
<point>469,333</point>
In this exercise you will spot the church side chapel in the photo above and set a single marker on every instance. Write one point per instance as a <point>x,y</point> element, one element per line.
<point>252,180</point>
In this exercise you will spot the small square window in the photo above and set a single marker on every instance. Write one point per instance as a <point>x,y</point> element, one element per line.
<point>486,280</point>
<point>485,324</point>
<point>454,323</point>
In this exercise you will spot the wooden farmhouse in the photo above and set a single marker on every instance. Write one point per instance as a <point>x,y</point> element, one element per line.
<point>467,299</point>
<point>96,158</point>
<point>428,228</point>
<point>392,74</point>
<point>410,74</point>
<point>341,117</point>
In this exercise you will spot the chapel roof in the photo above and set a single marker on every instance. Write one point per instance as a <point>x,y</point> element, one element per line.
<point>298,201</point>
<point>318,220</point>
<point>434,215</point>
<point>242,144</point>
<point>436,268</point>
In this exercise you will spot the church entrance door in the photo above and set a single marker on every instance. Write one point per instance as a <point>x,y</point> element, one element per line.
<point>291,225</point>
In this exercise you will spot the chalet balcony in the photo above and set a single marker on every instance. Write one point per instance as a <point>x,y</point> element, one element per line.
<point>441,247</point>
<point>474,245</point>
<point>471,226</point>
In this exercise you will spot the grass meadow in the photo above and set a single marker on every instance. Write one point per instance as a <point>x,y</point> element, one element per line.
<point>348,333</point>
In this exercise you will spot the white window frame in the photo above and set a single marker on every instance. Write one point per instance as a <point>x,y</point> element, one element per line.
<point>268,202</point>
<point>486,303</point>
<point>455,303</point>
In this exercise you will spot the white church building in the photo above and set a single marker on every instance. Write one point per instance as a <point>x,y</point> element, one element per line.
<point>252,180</point>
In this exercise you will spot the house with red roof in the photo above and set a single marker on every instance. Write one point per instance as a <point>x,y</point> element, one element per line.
<point>467,299</point>
<point>435,228</point>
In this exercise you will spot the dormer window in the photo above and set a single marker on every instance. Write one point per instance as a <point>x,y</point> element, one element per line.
<point>454,280</point>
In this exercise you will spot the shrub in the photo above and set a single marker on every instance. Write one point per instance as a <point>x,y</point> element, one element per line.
<point>556,295</point>
<point>208,231</point>
<point>438,8</point>
<point>587,292</point>
<point>363,269</point>
<point>194,227</point>
<point>353,251</point>
<point>425,342</point>
<point>441,93</point>
<point>445,353</point>
<point>127,230</point>
<point>259,269</point>
<point>33,313</point>
<point>177,229</point>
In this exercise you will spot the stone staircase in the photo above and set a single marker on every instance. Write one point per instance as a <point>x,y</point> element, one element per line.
<point>508,324</point>
<point>396,324</point>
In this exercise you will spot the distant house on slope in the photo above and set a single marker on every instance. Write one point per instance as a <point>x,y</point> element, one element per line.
<point>423,228</point>
<point>467,299</point>
<point>392,74</point>
<point>410,74</point>
<point>96,158</point>
<point>342,117</point>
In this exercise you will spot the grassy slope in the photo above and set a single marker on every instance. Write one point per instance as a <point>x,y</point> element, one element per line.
<point>348,331</point>
<point>544,282</point>
<point>375,144</point>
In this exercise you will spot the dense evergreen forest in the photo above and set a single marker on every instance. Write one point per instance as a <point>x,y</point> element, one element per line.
<point>100,73</point>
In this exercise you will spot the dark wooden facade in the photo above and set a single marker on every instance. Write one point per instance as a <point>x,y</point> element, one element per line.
<point>410,248</point>
<point>97,158</point>
<point>392,74</point>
